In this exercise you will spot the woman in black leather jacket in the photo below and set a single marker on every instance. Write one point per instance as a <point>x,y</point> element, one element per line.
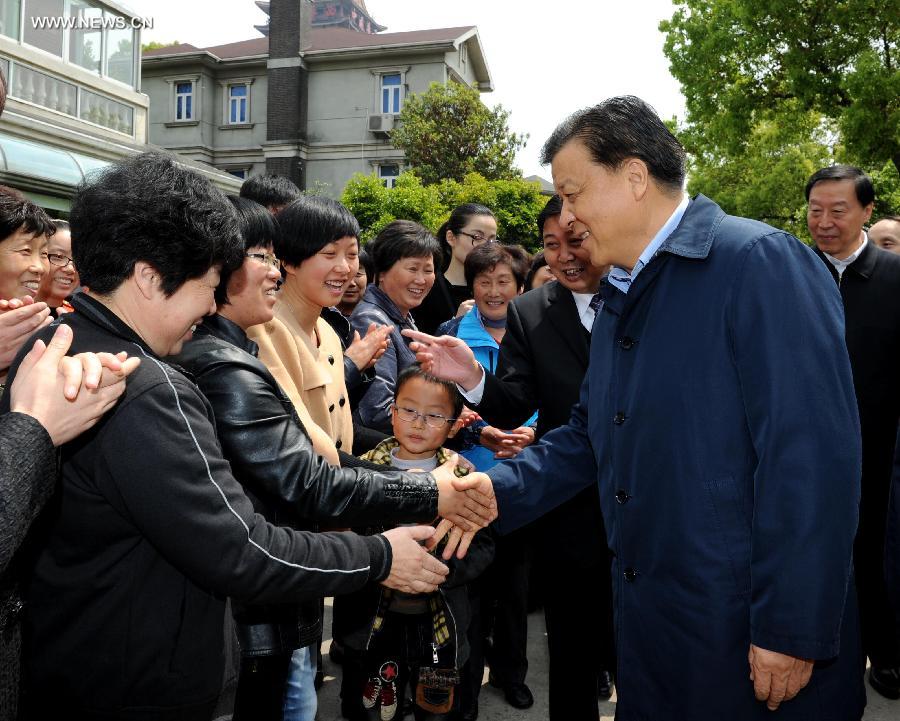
<point>273,458</point>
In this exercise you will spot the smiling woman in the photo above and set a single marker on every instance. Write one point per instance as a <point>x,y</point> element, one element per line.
<point>405,256</point>
<point>24,230</point>
<point>62,280</point>
<point>318,247</point>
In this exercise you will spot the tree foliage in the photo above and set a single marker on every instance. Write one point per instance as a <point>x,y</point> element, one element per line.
<point>777,88</point>
<point>447,132</point>
<point>516,203</point>
<point>156,45</point>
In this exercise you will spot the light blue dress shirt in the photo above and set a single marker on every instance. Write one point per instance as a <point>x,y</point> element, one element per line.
<point>621,278</point>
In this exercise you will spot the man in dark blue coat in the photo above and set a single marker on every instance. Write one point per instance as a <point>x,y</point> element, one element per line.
<point>719,419</point>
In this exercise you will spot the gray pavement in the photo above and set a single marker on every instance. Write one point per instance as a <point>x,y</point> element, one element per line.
<point>493,707</point>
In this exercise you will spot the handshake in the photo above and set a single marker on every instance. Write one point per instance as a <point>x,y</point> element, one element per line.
<point>465,505</point>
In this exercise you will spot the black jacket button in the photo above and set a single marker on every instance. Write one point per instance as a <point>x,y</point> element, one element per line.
<point>630,574</point>
<point>342,402</point>
<point>627,343</point>
<point>331,359</point>
<point>338,443</point>
<point>331,408</point>
<point>619,418</point>
<point>622,497</point>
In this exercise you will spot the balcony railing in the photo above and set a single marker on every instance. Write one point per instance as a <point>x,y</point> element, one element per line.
<point>48,91</point>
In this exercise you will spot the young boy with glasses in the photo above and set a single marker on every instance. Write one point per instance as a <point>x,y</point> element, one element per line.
<point>400,640</point>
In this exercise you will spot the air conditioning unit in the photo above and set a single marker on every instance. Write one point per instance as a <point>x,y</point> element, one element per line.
<point>381,124</point>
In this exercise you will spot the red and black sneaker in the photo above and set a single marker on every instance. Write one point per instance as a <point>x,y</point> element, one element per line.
<point>388,701</point>
<point>370,692</point>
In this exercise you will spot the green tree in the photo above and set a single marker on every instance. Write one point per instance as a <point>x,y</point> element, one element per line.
<point>516,203</point>
<point>776,88</point>
<point>156,45</point>
<point>447,132</point>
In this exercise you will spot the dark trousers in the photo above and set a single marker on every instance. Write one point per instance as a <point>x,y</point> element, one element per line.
<point>260,689</point>
<point>406,641</point>
<point>499,602</point>
<point>578,612</point>
<point>878,623</point>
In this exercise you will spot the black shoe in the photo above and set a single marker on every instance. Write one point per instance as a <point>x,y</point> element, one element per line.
<point>470,713</point>
<point>336,652</point>
<point>517,695</point>
<point>605,686</point>
<point>886,681</point>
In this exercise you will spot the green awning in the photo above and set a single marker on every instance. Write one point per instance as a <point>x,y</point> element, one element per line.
<point>49,202</point>
<point>37,160</point>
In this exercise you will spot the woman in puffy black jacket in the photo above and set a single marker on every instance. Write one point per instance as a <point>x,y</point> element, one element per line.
<point>273,458</point>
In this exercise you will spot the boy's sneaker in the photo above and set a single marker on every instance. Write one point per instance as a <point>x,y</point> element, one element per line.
<point>370,692</point>
<point>388,701</point>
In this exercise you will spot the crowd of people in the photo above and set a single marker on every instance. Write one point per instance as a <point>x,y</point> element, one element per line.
<point>673,429</point>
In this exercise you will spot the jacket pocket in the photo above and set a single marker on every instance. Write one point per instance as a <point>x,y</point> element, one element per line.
<point>732,523</point>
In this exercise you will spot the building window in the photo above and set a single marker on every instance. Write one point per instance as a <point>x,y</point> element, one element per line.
<point>388,174</point>
<point>463,55</point>
<point>391,90</point>
<point>184,100</point>
<point>85,44</point>
<point>47,39</point>
<point>238,104</point>
<point>238,172</point>
<point>120,60</point>
<point>10,12</point>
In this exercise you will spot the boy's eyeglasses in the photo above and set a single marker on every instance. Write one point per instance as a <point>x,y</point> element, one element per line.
<point>478,238</point>
<point>265,258</point>
<point>411,415</point>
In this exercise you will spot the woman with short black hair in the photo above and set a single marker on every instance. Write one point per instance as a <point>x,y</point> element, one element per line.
<point>24,230</point>
<point>317,244</point>
<point>153,532</point>
<point>405,255</point>
<point>271,453</point>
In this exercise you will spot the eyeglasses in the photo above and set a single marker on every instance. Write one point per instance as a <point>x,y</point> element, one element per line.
<point>61,260</point>
<point>478,238</point>
<point>411,415</point>
<point>266,258</point>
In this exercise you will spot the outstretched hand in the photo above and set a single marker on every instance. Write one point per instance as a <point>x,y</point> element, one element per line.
<point>365,351</point>
<point>777,677</point>
<point>458,540</point>
<point>19,319</point>
<point>446,357</point>
<point>466,502</point>
<point>413,569</point>
<point>476,485</point>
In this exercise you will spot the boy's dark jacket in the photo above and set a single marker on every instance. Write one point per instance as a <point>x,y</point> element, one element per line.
<point>362,608</point>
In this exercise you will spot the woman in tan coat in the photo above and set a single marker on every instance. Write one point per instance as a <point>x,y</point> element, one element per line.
<point>319,251</point>
<point>317,243</point>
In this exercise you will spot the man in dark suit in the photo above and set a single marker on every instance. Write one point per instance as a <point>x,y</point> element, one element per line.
<point>543,359</point>
<point>840,200</point>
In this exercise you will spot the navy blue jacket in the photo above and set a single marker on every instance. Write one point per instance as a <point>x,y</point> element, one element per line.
<point>376,307</point>
<point>719,419</point>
